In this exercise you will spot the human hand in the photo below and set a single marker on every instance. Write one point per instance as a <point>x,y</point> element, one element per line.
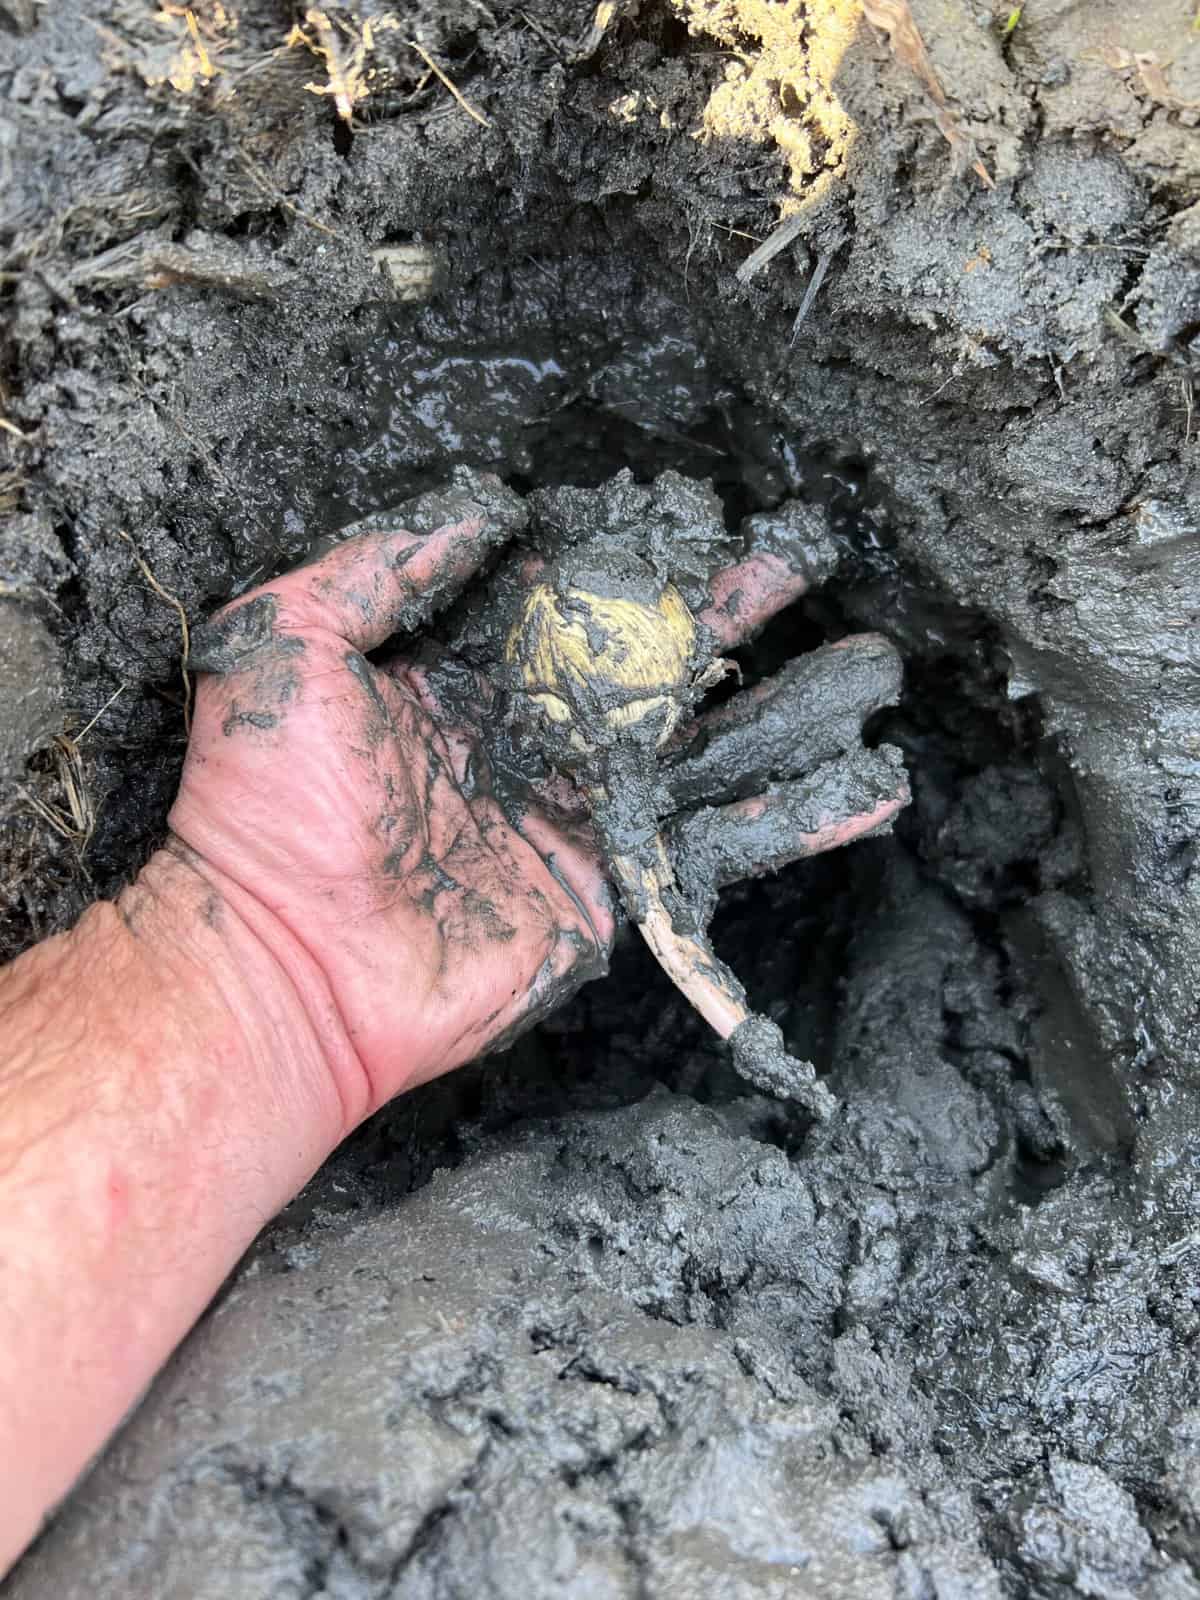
<point>347,816</point>
<point>343,910</point>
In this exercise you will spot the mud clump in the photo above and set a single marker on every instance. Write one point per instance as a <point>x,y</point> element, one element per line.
<point>945,1342</point>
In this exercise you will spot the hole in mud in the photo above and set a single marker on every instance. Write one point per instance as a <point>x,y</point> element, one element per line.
<point>568,371</point>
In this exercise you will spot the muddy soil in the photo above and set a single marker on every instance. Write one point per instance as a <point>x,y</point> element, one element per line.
<point>589,1319</point>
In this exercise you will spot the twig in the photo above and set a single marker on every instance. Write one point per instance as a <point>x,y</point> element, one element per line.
<point>257,175</point>
<point>112,699</point>
<point>185,633</point>
<point>472,111</point>
<point>778,239</point>
<point>810,294</point>
<point>895,19</point>
<point>546,37</point>
<point>930,398</point>
<point>50,815</point>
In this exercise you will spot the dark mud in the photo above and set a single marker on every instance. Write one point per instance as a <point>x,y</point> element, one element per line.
<point>945,1343</point>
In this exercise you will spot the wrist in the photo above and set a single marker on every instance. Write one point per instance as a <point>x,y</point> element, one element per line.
<point>231,968</point>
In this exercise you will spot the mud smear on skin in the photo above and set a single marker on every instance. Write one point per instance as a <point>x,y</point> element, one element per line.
<point>959,1323</point>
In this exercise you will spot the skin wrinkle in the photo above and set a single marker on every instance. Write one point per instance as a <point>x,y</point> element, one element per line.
<point>498,931</point>
<point>403,815</point>
<point>435,768</point>
<point>131,907</point>
<point>550,921</point>
<point>493,924</point>
<point>479,912</point>
<point>240,919</point>
<point>559,877</point>
<point>555,873</point>
<point>443,882</point>
<point>439,928</point>
<point>393,862</point>
<point>425,810</point>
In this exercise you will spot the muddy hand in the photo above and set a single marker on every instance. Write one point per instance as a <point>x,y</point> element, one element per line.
<point>780,771</point>
<point>334,805</point>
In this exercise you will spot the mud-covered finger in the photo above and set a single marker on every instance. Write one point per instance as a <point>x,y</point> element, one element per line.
<point>810,712</point>
<point>847,799</point>
<point>788,551</point>
<point>387,575</point>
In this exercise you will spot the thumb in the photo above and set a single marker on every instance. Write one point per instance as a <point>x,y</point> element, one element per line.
<point>390,572</point>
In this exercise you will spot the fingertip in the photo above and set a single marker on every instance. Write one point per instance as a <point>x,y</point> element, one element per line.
<point>748,594</point>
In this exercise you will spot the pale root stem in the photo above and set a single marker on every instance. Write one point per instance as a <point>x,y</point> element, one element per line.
<point>692,966</point>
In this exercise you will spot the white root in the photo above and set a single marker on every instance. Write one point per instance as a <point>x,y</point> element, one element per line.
<point>692,966</point>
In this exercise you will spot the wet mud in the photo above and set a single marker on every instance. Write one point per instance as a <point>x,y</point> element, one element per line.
<point>589,1318</point>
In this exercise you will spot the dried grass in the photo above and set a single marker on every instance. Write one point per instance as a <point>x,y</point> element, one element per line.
<point>895,18</point>
<point>173,601</point>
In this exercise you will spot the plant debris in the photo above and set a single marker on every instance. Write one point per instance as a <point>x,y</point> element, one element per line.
<point>895,18</point>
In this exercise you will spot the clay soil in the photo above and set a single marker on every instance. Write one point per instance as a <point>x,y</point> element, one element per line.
<point>589,1319</point>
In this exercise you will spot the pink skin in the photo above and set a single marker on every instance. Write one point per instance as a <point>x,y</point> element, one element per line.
<point>324,800</point>
<point>747,594</point>
<point>831,835</point>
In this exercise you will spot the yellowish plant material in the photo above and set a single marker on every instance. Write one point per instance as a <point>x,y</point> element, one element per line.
<point>581,655</point>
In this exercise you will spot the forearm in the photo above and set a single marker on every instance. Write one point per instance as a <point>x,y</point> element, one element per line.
<point>162,1093</point>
